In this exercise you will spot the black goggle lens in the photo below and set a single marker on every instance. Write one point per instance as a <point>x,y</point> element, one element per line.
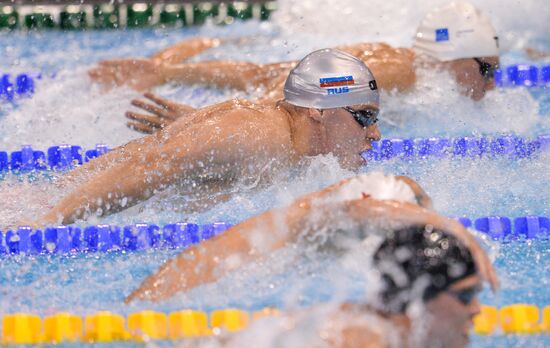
<point>486,70</point>
<point>365,118</point>
<point>466,296</point>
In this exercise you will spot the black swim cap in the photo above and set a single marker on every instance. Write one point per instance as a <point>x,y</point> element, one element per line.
<point>419,262</point>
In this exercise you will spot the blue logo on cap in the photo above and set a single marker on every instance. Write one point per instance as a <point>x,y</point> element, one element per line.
<point>442,34</point>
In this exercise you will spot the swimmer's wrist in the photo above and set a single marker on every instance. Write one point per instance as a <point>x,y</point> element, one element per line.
<point>163,72</point>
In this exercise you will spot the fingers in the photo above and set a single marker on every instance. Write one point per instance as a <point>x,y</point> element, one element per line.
<point>492,275</point>
<point>131,297</point>
<point>140,127</point>
<point>176,110</point>
<point>94,73</point>
<point>160,112</point>
<point>145,291</point>
<point>114,63</point>
<point>152,121</point>
<point>165,103</point>
<point>101,74</point>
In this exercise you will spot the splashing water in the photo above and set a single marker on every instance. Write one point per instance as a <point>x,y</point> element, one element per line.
<point>67,109</point>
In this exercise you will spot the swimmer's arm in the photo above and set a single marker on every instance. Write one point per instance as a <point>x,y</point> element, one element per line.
<point>421,196</point>
<point>393,68</point>
<point>357,335</point>
<point>185,49</point>
<point>241,244</point>
<point>223,74</point>
<point>536,54</point>
<point>112,188</point>
<point>106,161</point>
<point>363,47</point>
<point>162,159</point>
<point>144,73</point>
<point>120,153</point>
<point>214,258</point>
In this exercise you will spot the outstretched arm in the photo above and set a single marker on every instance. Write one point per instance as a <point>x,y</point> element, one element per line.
<point>119,179</point>
<point>185,49</point>
<point>241,244</point>
<point>223,74</point>
<point>392,67</point>
<point>144,73</point>
<point>213,258</point>
<point>132,173</point>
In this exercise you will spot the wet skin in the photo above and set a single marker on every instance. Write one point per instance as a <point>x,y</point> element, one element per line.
<point>446,319</point>
<point>279,227</point>
<point>467,73</point>
<point>392,67</point>
<point>215,146</point>
<point>451,320</point>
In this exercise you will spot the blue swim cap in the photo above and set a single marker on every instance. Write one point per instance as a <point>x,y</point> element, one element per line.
<point>330,78</point>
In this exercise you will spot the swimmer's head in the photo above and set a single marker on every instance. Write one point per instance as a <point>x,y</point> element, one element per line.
<point>464,41</point>
<point>330,78</point>
<point>338,92</point>
<point>419,263</point>
<point>458,30</point>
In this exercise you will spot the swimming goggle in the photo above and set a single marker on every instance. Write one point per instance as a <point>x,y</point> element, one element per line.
<point>365,118</point>
<point>467,295</point>
<point>487,70</point>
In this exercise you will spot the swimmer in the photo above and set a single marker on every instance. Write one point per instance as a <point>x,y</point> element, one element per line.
<point>362,200</point>
<point>457,38</point>
<point>230,146</point>
<point>425,261</point>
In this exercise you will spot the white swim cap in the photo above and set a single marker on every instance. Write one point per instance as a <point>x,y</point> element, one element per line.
<point>330,78</point>
<point>456,31</point>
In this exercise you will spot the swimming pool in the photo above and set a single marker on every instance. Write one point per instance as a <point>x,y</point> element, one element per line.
<point>65,109</point>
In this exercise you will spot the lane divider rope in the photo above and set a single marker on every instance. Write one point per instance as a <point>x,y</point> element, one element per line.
<point>105,238</point>
<point>66,157</point>
<point>142,236</point>
<point>510,146</point>
<point>105,326</point>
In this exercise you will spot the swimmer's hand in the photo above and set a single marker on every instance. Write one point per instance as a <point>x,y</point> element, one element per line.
<point>161,113</point>
<point>536,54</point>
<point>25,223</point>
<point>140,74</point>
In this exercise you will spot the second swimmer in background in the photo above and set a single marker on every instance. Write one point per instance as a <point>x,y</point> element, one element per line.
<point>456,37</point>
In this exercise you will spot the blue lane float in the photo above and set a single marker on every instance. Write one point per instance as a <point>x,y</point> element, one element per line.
<point>106,238</point>
<point>22,85</point>
<point>66,157</point>
<point>142,236</point>
<point>465,147</point>
<point>505,229</point>
<point>524,75</point>
<point>58,158</point>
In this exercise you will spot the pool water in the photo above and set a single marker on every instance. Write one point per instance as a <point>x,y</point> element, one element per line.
<point>66,108</point>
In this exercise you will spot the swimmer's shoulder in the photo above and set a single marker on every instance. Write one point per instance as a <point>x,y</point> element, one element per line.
<point>357,326</point>
<point>260,116</point>
<point>366,49</point>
